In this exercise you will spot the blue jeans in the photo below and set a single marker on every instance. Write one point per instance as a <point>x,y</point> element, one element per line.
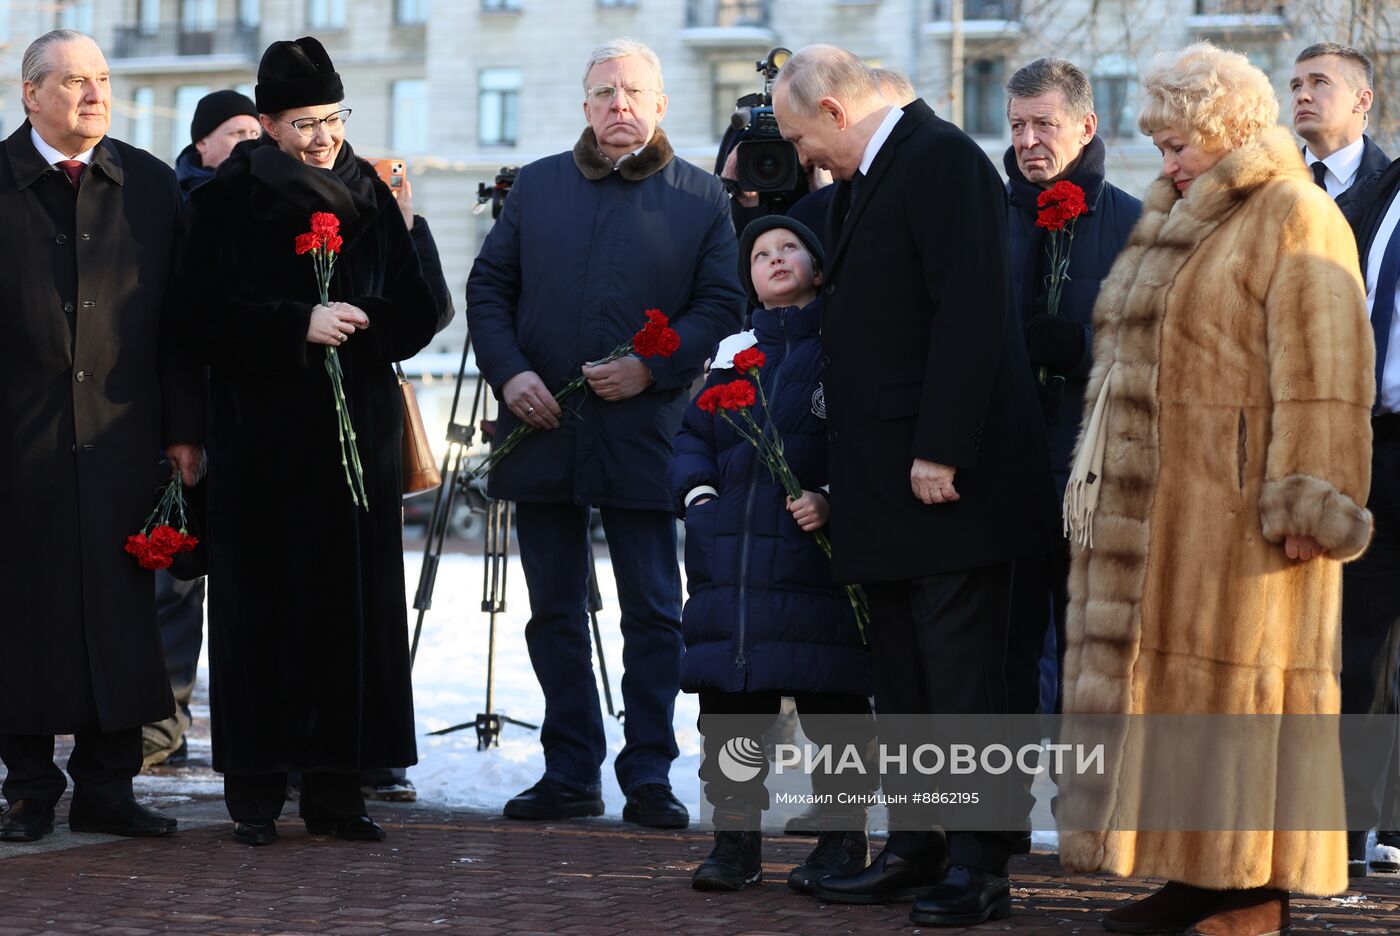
<point>554,549</point>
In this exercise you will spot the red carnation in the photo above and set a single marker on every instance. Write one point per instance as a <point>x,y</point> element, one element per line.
<point>323,222</point>
<point>656,338</point>
<point>333,243</point>
<point>709,401</point>
<point>307,242</point>
<point>749,359</point>
<point>1060,204</point>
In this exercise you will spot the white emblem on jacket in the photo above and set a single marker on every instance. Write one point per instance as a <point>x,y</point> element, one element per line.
<point>819,402</point>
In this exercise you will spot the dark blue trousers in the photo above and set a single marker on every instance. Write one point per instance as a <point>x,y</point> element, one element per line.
<point>180,611</point>
<point>554,549</point>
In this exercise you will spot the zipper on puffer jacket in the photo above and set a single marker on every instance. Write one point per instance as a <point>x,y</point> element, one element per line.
<point>746,530</point>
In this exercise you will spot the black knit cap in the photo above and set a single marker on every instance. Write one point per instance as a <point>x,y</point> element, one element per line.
<point>760,226</point>
<point>297,74</point>
<point>213,109</point>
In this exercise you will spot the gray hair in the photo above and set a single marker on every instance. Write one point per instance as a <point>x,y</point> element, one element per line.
<point>35,66</point>
<point>1355,57</point>
<point>825,71</point>
<point>621,48</point>
<point>1053,74</point>
<point>896,85</point>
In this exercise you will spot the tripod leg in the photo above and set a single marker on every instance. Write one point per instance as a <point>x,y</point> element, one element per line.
<point>595,604</point>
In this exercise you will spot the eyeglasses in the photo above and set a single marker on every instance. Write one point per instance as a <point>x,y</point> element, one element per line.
<point>308,126</point>
<point>605,94</point>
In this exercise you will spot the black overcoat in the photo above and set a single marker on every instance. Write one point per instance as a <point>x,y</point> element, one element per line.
<point>308,646</point>
<point>922,359</point>
<point>91,388</point>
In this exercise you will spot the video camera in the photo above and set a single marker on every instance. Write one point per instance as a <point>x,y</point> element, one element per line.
<point>495,194</point>
<point>766,163</point>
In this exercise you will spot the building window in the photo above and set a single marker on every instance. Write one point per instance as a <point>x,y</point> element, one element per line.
<point>77,14</point>
<point>730,81</point>
<point>186,98</point>
<point>141,122</point>
<point>498,106</point>
<point>500,4</point>
<point>984,107</point>
<point>148,17</point>
<point>249,12</point>
<point>408,12</point>
<point>325,14</point>
<point>1114,96</point>
<point>198,16</point>
<point>409,121</point>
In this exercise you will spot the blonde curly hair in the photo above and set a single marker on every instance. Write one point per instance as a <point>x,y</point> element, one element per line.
<point>1216,95</point>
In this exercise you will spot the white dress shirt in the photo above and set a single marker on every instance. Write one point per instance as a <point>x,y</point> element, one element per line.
<point>1389,391</point>
<point>52,156</point>
<point>1341,166</point>
<point>882,133</point>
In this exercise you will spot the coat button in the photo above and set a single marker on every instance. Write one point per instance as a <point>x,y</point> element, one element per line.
<point>831,435</point>
<point>61,239</point>
<point>80,376</point>
<point>826,362</point>
<point>86,236</point>
<point>68,307</point>
<point>830,289</point>
<point>88,304</point>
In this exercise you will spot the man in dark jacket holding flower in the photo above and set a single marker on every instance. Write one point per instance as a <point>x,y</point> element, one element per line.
<point>589,240</point>
<point>1050,106</point>
<point>93,385</point>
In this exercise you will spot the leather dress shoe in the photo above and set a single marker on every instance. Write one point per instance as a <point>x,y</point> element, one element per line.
<point>27,820</point>
<point>351,829</point>
<point>655,806</point>
<point>889,879</point>
<point>965,897</point>
<point>118,817</point>
<point>550,799</point>
<point>836,853</point>
<point>255,833</point>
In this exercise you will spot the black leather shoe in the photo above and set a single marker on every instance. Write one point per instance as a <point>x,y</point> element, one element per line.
<point>118,817</point>
<point>736,861</point>
<point>965,897</point>
<point>889,879</point>
<point>27,820</point>
<point>839,853</point>
<point>654,805</point>
<point>550,799</point>
<point>255,833</point>
<point>353,829</point>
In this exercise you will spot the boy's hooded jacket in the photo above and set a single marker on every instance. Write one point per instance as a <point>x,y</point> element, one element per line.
<point>763,613</point>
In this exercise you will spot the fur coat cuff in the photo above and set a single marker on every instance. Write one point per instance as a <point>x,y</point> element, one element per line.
<point>1303,505</point>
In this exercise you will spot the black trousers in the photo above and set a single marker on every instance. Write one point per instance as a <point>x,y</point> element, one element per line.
<point>1039,598</point>
<point>938,646</point>
<point>101,765</point>
<point>259,797</point>
<point>180,611</point>
<point>827,718</point>
<point>1371,621</point>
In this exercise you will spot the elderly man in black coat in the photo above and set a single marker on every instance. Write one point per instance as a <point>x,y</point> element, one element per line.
<point>1054,138</point>
<point>939,475</point>
<point>91,388</point>
<point>588,240</point>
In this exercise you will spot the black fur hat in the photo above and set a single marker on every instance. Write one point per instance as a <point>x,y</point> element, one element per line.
<point>297,74</point>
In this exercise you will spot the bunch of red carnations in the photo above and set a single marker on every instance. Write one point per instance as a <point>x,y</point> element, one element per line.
<point>159,541</point>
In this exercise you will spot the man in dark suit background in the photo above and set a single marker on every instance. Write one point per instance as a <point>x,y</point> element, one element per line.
<point>1371,584</point>
<point>939,473</point>
<point>1332,94</point>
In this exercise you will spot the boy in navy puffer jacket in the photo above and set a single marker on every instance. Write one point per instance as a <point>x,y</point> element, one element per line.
<point>764,619</point>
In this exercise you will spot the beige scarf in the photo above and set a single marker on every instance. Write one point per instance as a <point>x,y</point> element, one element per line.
<point>1082,495</point>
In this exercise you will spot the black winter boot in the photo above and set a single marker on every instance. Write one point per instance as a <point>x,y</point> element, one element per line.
<point>736,861</point>
<point>836,853</point>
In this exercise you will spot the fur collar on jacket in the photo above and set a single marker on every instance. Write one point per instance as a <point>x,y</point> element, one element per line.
<point>595,166</point>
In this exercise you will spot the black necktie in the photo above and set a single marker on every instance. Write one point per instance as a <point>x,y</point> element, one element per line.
<point>73,169</point>
<point>853,192</point>
<point>1320,174</point>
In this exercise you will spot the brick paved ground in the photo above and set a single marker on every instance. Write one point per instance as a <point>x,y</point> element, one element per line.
<point>456,872</point>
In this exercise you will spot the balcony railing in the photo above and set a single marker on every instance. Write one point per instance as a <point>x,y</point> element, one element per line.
<point>727,14</point>
<point>175,40</point>
<point>1003,10</point>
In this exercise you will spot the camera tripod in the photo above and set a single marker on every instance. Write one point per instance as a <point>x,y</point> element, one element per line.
<point>458,482</point>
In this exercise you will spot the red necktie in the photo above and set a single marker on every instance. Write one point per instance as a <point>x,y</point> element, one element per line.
<point>73,169</point>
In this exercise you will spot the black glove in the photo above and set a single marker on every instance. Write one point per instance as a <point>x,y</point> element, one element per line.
<point>1054,343</point>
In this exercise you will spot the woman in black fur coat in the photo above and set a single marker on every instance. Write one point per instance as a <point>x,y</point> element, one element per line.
<point>308,652</point>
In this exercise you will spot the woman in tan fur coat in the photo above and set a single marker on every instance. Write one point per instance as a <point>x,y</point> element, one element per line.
<point>1220,488</point>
